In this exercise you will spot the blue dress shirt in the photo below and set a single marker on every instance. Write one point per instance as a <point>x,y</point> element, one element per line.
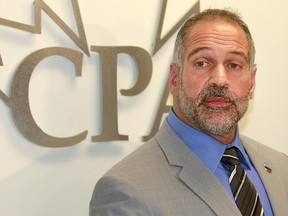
<point>210,151</point>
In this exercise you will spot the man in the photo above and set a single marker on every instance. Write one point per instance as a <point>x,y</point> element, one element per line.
<point>180,172</point>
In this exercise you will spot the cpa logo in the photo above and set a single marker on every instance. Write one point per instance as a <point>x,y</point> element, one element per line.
<point>18,101</point>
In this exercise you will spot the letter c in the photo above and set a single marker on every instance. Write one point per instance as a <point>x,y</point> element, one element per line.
<point>19,101</point>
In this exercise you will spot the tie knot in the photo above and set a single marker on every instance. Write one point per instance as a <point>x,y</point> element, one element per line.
<point>230,157</point>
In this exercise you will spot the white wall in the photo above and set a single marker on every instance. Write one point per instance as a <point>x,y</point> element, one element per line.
<point>36,180</point>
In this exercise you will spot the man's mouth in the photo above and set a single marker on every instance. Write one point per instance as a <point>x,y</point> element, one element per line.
<point>217,102</point>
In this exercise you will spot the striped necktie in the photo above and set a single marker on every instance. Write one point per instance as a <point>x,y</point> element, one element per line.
<point>245,194</point>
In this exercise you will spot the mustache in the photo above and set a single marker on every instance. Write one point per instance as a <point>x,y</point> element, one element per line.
<point>217,91</point>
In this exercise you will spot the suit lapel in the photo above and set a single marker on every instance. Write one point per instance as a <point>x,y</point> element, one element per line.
<point>207,186</point>
<point>195,174</point>
<point>272,181</point>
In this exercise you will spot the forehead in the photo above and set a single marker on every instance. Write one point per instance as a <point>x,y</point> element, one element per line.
<point>217,34</point>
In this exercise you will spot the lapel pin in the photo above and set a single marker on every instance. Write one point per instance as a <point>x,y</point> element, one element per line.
<point>268,167</point>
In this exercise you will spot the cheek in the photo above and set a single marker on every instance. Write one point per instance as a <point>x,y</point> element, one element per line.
<point>192,86</point>
<point>241,89</point>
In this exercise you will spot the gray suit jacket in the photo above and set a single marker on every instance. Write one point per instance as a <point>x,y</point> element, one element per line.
<point>164,178</point>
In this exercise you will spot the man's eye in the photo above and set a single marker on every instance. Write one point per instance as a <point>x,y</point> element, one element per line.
<point>201,64</point>
<point>233,66</point>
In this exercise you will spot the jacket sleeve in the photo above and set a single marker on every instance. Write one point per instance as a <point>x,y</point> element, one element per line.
<point>116,197</point>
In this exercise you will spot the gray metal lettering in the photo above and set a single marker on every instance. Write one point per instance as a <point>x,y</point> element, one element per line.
<point>19,101</point>
<point>160,42</point>
<point>80,40</point>
<point>108,61</point>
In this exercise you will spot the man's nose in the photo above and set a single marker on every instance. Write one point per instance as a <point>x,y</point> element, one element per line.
<point>219,76</point>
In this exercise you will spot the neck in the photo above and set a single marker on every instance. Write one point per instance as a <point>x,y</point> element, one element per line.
<point>226,138</point>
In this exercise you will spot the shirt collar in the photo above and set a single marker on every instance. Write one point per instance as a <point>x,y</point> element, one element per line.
<point>207,148</point>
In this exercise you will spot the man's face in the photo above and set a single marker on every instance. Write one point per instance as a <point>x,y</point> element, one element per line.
<point>212,91</point>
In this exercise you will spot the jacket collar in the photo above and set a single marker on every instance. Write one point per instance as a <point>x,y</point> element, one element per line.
<point>261,155</point>
<point>194,173</point>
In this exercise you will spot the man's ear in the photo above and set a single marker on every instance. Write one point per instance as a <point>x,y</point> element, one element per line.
<point>173,79</point>
<point>252,82</point>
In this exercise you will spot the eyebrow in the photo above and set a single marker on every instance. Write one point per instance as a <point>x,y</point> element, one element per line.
<point>196,50</point>
<point>242,54</point>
